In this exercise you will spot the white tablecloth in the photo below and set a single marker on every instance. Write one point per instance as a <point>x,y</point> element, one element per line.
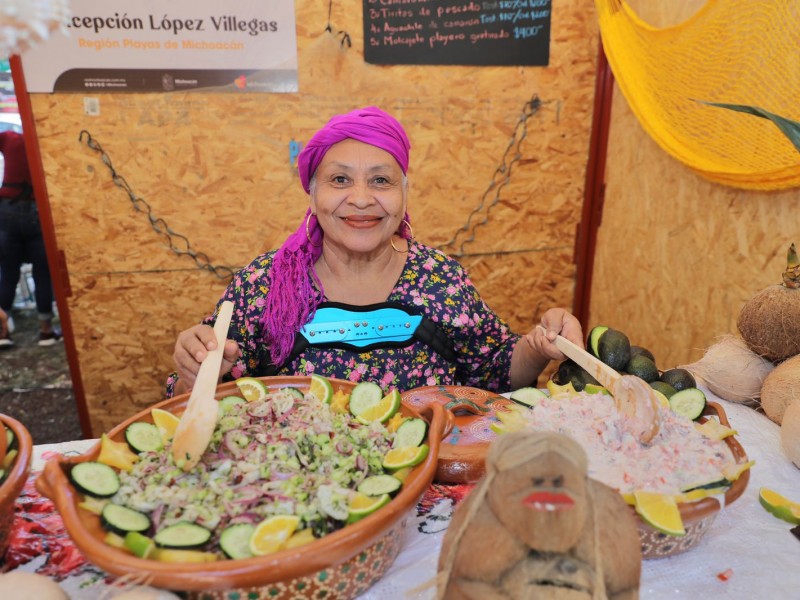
<point>759,550</point>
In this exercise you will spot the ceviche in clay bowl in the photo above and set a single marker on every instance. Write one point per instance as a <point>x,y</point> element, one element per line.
<point>16,449</point>
<point>335,559</point>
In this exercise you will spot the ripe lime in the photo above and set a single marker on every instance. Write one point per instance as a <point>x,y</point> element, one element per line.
<point>362,505</point>
<point>166,423</point>
<point>660,512</point>
<point>272,533</point>
<point>397,458</point>
<point>383,410</point>
<point>251,388</point>
<point>321,389</point>
<point>141,545</point>
<point>779,505</point>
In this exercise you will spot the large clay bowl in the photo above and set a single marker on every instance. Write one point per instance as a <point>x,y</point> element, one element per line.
<point>17,476</point>
<point>340,565</point>
<point>699,515</point>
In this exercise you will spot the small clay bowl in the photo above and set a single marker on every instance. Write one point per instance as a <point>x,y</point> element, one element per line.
<point>699,515</point>
<point>343,564</point>
<point>18,473</point>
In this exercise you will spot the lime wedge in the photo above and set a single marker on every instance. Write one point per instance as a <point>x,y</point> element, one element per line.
<point>251,388</point>
<point>780,506</point>
<point>321,389</point>
<point>362,505</point>
<point>398,458</point>
<point>383,410</point>
<point>141,545</point>
<point>660,512</point>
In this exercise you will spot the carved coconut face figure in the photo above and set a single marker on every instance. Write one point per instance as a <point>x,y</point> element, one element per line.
<point>543,501</point>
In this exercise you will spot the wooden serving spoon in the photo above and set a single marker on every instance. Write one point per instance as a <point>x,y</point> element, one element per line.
<point>197,423</point>
<point>632,395</point>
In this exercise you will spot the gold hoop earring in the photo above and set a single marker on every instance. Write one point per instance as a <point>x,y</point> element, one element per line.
<point>410,231</point>
<point>308,232</point>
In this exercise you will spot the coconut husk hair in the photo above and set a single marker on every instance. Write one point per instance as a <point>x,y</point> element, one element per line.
<point>507,452</point>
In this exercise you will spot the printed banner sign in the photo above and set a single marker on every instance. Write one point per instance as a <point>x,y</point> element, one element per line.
<point>152,46</point>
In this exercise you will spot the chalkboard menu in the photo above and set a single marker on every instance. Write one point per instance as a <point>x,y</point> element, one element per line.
<point>457,32</point>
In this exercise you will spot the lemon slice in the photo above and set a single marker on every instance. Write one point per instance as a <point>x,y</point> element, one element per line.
<point>780,506</point>
<point>116,454</point>
<point>251,388</point>
<point>301,538</point>
<point>272,533</point>
<point>362,505</point>
<point>397,458</point>
<point>321,389</point>
<point>166,423</point>
<point>660,512</point>
<point>383,410</point>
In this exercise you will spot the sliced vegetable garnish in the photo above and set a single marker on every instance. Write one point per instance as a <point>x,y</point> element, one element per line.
<point>121,519</point>
<point>166,423</point>
<point>779,505</point>
<point>301,538</point>
<point>715,430</point>
<point>397,458</point>
<point>660,512</point>
<point>183,535</point>
<point>171,555</point>
<point>321,389</point>
<point>272,533</point>
<point>235,540</point>
<point>377,485</point>
<point>527,396</point>
<point>362,505</point>
<point>251,388</point>
<point>143,437</point>
<point>116,454</point>
<point>383,410</point>
<point>141,545</point>
<point>95,479</point>
<point>364,395</point>
<point>410,433</point>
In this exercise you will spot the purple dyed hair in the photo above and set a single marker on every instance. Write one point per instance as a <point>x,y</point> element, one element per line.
<point>292,299</point>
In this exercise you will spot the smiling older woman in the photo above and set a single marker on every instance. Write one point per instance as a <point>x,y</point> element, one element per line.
<point>352,295</point>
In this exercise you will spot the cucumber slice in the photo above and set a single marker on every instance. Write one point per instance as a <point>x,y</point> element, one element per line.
<point>688,403</point>
<point>297,393</point>
<point>378,485</point>
<point>527,396</point>
<point>121,519</point>
<point>95,479</point>
<point>364,395</point>
<point>228,402</point>
<point>411,433</point>
<point>235,540</point>
<point>143,437</point>
<point>183,535</point>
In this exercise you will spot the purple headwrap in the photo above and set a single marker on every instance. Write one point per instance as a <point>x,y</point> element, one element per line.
<point>292,300</point>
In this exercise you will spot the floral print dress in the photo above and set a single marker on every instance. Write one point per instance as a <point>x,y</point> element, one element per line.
<point>431,284</point>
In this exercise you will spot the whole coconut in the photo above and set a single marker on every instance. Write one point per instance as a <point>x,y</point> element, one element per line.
<point>790,433</point>
<point>781,388</point>
<point>770,321</point>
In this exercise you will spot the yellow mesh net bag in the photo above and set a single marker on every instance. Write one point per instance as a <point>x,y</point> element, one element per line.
<point>730,51</point>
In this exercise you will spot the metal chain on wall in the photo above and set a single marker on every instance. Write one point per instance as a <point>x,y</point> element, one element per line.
<point>500,178</point>
<point>178,242</point>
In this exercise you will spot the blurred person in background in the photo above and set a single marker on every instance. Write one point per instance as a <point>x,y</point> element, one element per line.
<point>21,241</point>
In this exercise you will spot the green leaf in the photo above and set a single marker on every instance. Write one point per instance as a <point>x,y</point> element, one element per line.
<point>791,129</point>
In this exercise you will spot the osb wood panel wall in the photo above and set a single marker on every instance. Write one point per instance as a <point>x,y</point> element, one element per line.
<point>677,256</point>
<point>215,167</point>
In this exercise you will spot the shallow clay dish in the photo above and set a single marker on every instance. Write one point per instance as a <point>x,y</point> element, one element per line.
<point>17,476</point>
<point>343,564</point>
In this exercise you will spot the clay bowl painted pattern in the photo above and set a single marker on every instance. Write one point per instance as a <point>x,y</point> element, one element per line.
<point>340,565</point>
<point>699,515</point>
<point>463,452</point>
<point>17,476</point>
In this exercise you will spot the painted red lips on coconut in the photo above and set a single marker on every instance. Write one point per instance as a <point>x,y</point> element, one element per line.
<point>549,501</point>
